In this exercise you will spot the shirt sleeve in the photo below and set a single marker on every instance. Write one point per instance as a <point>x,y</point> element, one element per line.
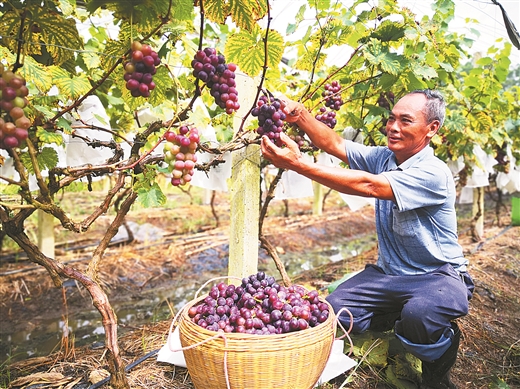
<point>418,187</point>
<point>366,158</point>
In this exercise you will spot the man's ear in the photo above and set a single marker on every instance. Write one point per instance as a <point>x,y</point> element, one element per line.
<point>434,127</point>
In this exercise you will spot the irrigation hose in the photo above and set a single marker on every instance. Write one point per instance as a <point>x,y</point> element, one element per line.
<point>127,369</point>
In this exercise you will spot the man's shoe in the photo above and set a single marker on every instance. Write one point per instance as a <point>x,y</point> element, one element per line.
<point>436,374</point>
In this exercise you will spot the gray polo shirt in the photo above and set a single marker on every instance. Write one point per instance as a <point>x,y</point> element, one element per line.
<point>417,233</point>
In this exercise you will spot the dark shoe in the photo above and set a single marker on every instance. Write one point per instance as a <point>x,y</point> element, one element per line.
<point>436,374</point>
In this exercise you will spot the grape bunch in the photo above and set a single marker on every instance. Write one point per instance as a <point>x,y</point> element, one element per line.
<point>332,96</point>
<point>327,117</point>
<point>179,153</point>
<point>139,70</point>
<point>211,68</point>
<point>270,118</point>
<point>13,99</point>
<point>259,305</point>
<point>386,101</point>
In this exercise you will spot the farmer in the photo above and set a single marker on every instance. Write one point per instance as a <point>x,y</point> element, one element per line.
<point>420,284</point>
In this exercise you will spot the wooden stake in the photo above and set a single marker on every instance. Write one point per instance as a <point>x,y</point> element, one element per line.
<point>244,189</point>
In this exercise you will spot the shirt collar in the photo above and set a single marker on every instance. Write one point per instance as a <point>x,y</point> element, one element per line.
<point>426,152</point>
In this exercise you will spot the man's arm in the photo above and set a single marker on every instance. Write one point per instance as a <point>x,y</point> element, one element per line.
<point>348,181</point>
<point>321,135</point>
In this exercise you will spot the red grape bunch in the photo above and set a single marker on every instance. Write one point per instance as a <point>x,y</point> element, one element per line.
<point>327,117</point>
<point>139,70</point>
<point>259,305</point>
<point>13,99</point>
<point>211,68</point>
<point>179,153</point>
<point>332,96</point>
<point>270,118</point>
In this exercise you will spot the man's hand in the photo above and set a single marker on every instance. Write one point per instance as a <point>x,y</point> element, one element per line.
<point>286,157</point>
<point>292,109</point>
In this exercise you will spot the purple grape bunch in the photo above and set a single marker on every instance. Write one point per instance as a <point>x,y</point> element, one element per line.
<point>211,68</point>
<point>327,117</point>
<point>332,96</point>
<point>333,102</point>
<point>260,306</point>
<point>270,118</point>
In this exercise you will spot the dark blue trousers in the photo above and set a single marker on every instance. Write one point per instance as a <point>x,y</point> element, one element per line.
<point>420,308</point>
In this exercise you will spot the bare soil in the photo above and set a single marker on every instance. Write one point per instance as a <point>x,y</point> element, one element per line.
<point>489,355</point>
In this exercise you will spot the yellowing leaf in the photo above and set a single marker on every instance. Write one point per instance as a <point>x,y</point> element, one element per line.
<point>58,34</point>
<point>72,88</point>
<point>216,10</point>
<point>247,50</point>
<point>244,13</point>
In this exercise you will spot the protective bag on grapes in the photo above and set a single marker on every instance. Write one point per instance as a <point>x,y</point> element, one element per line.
<point>217,360</point>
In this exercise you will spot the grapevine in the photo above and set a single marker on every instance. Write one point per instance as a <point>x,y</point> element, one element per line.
<point>259,305</point>
<point>179,153</point>
<point>13,99</point>
<point>139,70</point>
<point>211,68</point>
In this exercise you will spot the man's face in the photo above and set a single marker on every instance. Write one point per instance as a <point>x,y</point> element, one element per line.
<point>407,129</point>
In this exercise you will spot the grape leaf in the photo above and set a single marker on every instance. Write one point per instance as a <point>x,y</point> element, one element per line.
<point>71,87</point>
<point>216,10</point>
<point>36,74</point>
<point>163,82</point>
<point>47,159</point>
<point>64,125</point>
<point>243,12</point>
<point>246,49</point>
<point>57,33</point>
<point>484,123</point>
<point>424,71</point>
<point>49,137</point>
<point>378,55</point>
<point>389,31</point>
<point>151,197</point>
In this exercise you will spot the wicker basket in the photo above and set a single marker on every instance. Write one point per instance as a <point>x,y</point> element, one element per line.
<point>294,360</point>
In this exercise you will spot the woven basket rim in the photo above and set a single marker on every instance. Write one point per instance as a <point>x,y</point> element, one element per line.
<point>239,336</point>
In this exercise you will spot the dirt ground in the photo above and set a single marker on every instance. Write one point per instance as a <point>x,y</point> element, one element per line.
<point>489,355</point>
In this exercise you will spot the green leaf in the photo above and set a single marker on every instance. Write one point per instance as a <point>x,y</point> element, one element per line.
<point>36,74</point>
<point>64,125</point>
<point>411,82</point>
<point>49,137</point>
<point>354,121</point>
<point>389,31</point>
<point>151,197</point>
<point>378,55</point>
<point>246,49</point>
<point>47,159</point>
<point>424,71</point>
<point>163,82</point>
<point>71,87</point>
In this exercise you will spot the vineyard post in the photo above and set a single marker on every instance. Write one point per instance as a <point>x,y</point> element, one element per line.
<point>317,205</point>
<point>244,190</point>
<point>45,233</point>
<point>478,213</point>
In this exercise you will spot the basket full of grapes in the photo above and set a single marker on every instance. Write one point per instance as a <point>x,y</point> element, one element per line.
<point>258,334</point>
